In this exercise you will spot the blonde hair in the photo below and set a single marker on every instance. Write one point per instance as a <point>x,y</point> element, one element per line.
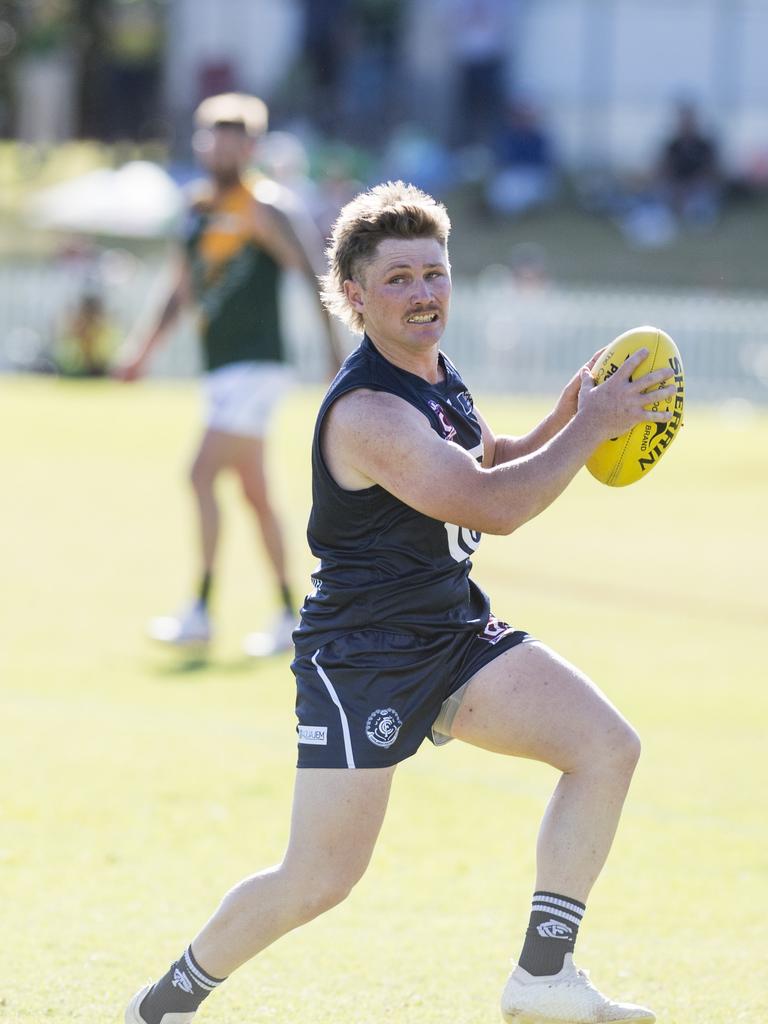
<point>390,210</point>
<point>233,108</point>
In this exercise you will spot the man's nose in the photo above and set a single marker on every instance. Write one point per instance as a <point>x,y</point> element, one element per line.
<point>422,291</point>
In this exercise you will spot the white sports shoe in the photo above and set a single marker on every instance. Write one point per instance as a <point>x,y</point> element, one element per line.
<point>565,998</point>
<point>132,1015</point>
<point>279,637</point>
<point>189,628</point>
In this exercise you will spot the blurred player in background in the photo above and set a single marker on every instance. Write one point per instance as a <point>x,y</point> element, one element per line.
<point>397,644</point>
<point>237,242</point>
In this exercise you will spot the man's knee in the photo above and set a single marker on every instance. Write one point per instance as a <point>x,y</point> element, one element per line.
<point>320,888</point>
<point>324,895</point>
<point>201,476</point>
<point>618,749</point>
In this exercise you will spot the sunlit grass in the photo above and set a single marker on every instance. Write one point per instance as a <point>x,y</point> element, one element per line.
<point>137,787</point>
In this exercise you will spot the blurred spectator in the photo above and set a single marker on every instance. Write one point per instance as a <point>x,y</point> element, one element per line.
<point>480,49</point>
<point>688,173</point>
<point>45,72</point>
<point>369,99</point>
<point>87,340</point>
<point>134,37</point>
<point>524,175</point>
<point>324,25</point>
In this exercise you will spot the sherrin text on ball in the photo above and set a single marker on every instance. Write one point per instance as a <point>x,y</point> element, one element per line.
<point>623,460</point>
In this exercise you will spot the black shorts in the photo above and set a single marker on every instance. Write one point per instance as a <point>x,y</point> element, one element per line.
<point>369,699</point>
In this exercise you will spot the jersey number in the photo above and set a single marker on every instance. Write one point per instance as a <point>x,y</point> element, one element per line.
<point>461,541</point>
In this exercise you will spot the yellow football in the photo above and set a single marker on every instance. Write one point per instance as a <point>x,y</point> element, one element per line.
<point>623,460</point>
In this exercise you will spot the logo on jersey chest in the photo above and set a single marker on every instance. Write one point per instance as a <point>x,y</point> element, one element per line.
<point>462,541</point>
<point>465,402</point>
<point>382,727</point>
<point>447,428</point>
<point>494,630</point>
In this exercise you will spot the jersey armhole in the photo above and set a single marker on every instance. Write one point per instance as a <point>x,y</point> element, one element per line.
<point>317,445</point>
<point>368,386</point>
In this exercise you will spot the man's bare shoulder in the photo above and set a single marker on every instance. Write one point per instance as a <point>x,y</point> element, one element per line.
<point>366,433</point>
<point>381,410</point>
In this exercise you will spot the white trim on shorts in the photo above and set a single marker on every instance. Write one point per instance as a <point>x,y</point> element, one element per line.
<point>241,397</point>
<point>342,714</point>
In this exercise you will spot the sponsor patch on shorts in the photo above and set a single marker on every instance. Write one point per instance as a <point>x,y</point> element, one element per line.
<point>317,735</point>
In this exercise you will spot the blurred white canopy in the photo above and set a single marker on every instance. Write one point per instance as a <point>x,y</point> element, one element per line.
<point>138,200</point>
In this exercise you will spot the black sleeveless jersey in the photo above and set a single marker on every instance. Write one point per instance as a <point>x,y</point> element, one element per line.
<point>383,565</point>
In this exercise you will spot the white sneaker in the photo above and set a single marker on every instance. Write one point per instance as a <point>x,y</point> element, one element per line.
<point>132,1015</point>
<point>565,998</point>
<point>279,637</point>
<point>188,629</point>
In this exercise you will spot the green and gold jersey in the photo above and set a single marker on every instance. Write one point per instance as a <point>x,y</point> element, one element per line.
<point>235,282</point>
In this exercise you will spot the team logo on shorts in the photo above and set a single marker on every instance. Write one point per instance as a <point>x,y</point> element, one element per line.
<point>382,726</point>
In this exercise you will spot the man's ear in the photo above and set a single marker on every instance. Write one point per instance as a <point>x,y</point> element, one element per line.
<point>354,293</point>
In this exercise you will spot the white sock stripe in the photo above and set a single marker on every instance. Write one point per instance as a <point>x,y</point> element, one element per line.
<point>200,979</point>
<point>557,902</point>
<point>342,713</point>
<point>554,912</point>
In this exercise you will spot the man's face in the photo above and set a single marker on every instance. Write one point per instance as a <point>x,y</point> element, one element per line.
<point>224,151</point>
<point>404,293</point>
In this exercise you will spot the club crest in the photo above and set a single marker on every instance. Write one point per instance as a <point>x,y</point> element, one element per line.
<point>554,930</point>
<point>382,727</point>
<point>465,401</point>
<point>448,429</point>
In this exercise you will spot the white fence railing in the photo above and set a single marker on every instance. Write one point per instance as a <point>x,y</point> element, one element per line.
<point>504,337</point>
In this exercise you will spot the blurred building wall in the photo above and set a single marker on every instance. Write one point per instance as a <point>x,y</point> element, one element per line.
<point>605,73</point>
<point>608,72</point>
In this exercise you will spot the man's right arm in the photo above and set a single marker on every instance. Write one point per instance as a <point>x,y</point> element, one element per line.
<point>374,437</point>
<point>140,346</point>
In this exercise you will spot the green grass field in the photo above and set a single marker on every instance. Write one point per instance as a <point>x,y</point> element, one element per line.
<point>137,788</point>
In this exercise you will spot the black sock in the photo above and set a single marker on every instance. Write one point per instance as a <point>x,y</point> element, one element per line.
<point>181,990</point>
<point>286,597</point>
<point>204,593</point>
<point>551,933</point>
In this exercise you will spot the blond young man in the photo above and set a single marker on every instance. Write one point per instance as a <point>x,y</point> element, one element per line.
<point>398,644</point>
<point>237,243</point>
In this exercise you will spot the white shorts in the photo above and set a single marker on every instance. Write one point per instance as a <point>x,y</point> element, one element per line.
<point>241,397</point>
